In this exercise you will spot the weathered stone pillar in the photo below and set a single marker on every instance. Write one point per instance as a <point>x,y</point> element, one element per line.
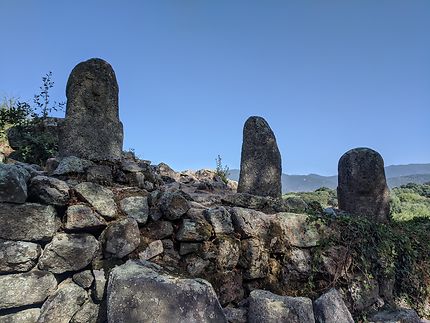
<point>260,166</point>
<point>92,129</point>
<point>362,187</point>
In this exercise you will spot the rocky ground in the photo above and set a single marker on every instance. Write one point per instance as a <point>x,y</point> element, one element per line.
<point>132,242</point>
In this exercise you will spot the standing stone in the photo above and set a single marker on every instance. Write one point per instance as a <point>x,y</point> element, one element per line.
<point>92,129</point>
<point>362,186</point>
<point>260,165</point>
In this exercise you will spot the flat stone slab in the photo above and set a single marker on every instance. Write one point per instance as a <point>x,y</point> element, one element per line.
<point>27,222</point>
<point>26,289</point>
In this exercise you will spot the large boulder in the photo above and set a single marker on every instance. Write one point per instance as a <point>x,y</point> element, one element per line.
<point>260,165</point>
<point>13,183</point>
<point>330,308</point>
<point>48,190</point>
<point>138,293</point>
<point>265,306</point>
<point>92,129</point>
<point>28,222</point>
<point>362,187</point>
<point>68,252</point>
<point>26,289</point>
<point>63,304</point>
<point>101,198</point>
<point>18,256</point>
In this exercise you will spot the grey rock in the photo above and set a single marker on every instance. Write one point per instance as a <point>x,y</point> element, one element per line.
<point>13,184</point>
<point>260,165</point>
<point>236,315</point>
<point>101,174</point>
<point>299,260</point>
<point>220,219</point>
<point>68,252</point>
<point>330,308</point>
<point>173,205</point>
<point>194,230</point>
<point>28,222</point>
<point>297,229</point>
<point>88,313</point>
<point>250,223</point>
<point>63,304</point>
<point>254,257</point>
<point>84,278</point>
<point>158,297</point>
<point>362,187</point>
<point>72,165</point>
<point>158,230</point>
<point>48,190</point>
<point>186,248</point>
<point>26,289</point>
<point>25,316</point>
<point>82,217</point>
<point>18,256</point>
<point>99,285</point>
<point>92,129</point>
<point>154,249</point>
<point>136,207</point>
<point>228,253</point>
<point>196,265</point>
<point>121,237</point>
<point>101,198</point>
<point>265,306</point>
<point>395,316</point>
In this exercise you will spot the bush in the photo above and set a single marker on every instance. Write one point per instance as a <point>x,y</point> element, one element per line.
<point>29,124</point>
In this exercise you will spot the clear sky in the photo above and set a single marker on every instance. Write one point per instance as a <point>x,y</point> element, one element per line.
<point>328,76</point>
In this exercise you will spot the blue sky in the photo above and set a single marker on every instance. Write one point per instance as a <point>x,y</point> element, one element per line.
<point>328,76</point>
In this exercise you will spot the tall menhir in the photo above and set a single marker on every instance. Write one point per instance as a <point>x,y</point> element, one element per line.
<point>362,187</point>
<point>260,165</point>
<point>92,129</point>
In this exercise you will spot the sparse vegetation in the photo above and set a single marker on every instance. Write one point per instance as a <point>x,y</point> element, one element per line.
<point>325,196</point>
<point>221,170</point>
<point>397,251</point>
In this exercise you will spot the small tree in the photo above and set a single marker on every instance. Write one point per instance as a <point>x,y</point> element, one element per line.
<point>222,171</point>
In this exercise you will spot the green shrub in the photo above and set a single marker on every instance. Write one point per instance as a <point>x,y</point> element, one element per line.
<point>30,123</point>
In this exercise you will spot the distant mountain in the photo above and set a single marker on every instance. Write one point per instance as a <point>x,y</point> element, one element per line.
<point>396,175</point>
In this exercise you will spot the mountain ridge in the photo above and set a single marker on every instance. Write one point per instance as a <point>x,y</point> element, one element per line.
<point>396,175</point>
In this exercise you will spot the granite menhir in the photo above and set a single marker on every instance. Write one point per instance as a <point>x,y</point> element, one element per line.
<point>362,187</point>
<point>260,166</point>
<point>92,129</point>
